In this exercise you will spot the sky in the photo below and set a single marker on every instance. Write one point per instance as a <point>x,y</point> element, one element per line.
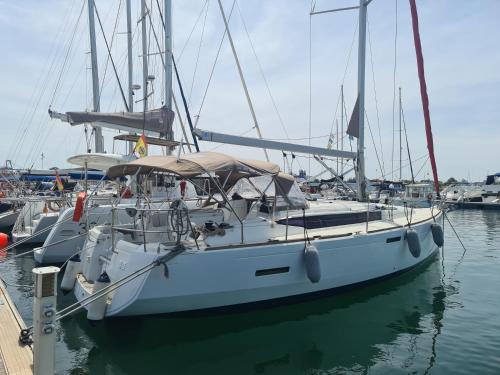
<point>294,65</point>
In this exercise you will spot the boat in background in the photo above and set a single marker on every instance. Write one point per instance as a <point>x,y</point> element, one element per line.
<point>417,195</point>
<point>486,197</point>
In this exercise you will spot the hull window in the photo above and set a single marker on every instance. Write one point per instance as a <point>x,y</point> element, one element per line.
<point>272,271</point>
<point>393,239</point>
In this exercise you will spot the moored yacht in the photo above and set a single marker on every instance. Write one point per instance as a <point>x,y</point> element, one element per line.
<point>486,196</point>
<point>267,245</point>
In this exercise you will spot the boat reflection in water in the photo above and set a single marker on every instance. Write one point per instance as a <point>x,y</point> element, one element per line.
<point>394,324</point>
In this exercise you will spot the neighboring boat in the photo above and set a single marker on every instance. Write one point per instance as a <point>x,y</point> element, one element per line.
<point>36,216</point>
<point>9,211</point>
<point>486,197</point>
<point>417,195</point>
<point>385,191</point>
<point>40,213</point>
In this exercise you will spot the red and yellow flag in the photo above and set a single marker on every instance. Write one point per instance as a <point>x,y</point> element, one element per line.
<point>141,147</point>
<point>59,183</point>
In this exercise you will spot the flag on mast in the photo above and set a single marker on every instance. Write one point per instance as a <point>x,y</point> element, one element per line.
<point>59,183</point>
<point>141,147</point>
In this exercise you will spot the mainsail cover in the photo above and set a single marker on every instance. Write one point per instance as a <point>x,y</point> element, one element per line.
<point>157,120</point>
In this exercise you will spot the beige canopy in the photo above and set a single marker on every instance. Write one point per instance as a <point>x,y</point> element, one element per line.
<point>224,166</point>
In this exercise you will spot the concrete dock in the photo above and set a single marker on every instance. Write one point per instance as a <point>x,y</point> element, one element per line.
<point>15,359</point>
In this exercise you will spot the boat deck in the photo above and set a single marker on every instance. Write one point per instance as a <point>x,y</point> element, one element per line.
<point>15,359</point>
<point>417,216</point>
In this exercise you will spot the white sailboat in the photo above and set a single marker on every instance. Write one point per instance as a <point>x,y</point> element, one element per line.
<point>268,244</point>
<point>262,251</point>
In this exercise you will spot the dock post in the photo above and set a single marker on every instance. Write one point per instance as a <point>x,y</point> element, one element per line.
<point>44,314</point>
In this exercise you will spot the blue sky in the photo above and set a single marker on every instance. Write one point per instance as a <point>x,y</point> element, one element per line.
<point>461,52</point>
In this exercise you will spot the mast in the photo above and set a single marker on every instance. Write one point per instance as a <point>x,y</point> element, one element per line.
<point>400,143</point>
<point>99,144</point>
<point>423,93</point>
<point>144,57</point>
<point>342,128</point>
<point>167,26</point>
<point>168,54</point>
<point>361,179</point>
<point>130,67</point>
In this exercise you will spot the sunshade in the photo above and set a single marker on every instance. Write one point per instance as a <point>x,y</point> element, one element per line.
<point>227,168</point>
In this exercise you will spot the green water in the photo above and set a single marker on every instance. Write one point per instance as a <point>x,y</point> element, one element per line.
<point>442,318</point>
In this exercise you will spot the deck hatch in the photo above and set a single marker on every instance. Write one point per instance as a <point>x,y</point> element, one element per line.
<point>272,271</point>
<point>331,220</point>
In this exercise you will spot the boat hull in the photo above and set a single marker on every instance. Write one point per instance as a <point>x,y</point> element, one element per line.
<point>245,276</point>
<point>8,219</point>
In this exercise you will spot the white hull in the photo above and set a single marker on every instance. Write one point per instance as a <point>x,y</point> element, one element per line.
<point>223,278</point>
<point>67,237</point>
<point>8,218</point>
<point>35,233</point>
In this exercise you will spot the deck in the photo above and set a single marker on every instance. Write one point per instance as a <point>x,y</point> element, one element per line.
<point>15,359</point>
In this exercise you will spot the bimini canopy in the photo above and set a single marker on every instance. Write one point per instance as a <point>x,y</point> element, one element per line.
<point>100,161</point>
<point>227,168</point>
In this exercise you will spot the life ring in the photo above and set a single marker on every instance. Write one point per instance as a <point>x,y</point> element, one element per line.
<point>77,214</point>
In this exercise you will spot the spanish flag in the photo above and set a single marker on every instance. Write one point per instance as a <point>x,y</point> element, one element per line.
<point>141,147</point>
<point>59,183</point>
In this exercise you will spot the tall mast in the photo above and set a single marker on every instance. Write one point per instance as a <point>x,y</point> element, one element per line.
<point>168,53</point>
<point>400,143</point>
<point>144,57</point>
<point>342,127</point>
<point>99,144</point>
<point>361,179</point>
<point>130,58</point>
<point>130,67</point>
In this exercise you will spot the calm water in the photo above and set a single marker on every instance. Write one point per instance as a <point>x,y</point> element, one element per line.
<point>441,318</point>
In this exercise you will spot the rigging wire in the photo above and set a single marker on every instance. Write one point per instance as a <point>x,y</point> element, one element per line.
<point>375,97</point>
<point>374,144</point>
<point>66,57</point>
<point>113,35</point>
<point>407,144</point>
<point>198,53</point>
<point>192,29</point>
<point>266,82</point>
<point>19,146</point>
<point>110,56</point>
<point>39,86</point>
<point>344,77</point>
<point>41,130</point>
<point>213,68</point>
